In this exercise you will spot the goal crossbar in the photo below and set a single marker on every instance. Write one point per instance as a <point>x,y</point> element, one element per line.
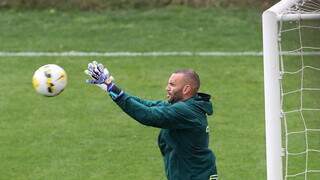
<point>291,17</point>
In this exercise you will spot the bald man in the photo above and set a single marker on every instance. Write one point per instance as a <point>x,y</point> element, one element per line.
<point>184,134</point>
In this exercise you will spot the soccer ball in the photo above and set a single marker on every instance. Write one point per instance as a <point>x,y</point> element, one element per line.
<point>49,80</point>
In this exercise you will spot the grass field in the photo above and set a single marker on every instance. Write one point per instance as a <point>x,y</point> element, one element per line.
<point>82,134</point>
<point>171,29</point>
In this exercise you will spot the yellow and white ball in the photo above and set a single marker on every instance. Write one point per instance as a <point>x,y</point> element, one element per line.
<point>49,80</point>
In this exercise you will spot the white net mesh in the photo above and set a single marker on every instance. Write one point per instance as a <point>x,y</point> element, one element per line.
<point>299,43</point>
<point>305,7</point>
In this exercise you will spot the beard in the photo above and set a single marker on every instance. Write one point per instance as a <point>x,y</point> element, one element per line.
<point>175,97</point>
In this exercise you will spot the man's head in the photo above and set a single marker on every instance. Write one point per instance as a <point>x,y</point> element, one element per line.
<point>182,85</point>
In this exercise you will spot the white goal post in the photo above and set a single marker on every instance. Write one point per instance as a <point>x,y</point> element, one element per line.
<point>272,74</point>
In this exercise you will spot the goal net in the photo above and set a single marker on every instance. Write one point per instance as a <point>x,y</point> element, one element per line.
<point>291,42</point>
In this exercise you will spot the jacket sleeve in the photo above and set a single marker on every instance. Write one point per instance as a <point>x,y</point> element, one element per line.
<point>167,116</point>
<point>149,103</point>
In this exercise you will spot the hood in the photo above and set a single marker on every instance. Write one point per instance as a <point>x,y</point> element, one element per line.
<point>202,101</point>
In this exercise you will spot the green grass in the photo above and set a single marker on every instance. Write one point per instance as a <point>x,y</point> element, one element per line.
<point>169,29</point>
<point>82,134</point>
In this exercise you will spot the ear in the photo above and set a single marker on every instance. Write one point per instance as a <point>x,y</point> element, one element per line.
<point>186,89</point>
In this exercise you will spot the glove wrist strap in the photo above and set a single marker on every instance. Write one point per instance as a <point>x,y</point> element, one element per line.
<point>114,91</point>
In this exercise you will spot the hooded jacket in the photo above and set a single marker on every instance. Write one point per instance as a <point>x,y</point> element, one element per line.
<point>184,135</point>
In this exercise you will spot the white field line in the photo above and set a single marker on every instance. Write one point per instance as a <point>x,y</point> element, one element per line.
<point>134,54</point>
<point>126,54</point>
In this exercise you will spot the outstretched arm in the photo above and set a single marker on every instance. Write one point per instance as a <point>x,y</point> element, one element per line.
<point>162,116</point>
<point>151,113</point>
<point>100,76</point>
<point>149,103</point>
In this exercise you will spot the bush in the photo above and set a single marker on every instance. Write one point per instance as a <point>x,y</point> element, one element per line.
<point>125,4</point>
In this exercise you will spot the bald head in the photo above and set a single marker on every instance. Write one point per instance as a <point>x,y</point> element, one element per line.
<point>190,77</point>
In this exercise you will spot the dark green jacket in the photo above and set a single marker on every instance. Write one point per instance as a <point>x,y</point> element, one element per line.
<point>183,139</point>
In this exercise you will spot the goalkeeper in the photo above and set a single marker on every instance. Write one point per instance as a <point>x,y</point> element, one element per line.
<point>184,135</point>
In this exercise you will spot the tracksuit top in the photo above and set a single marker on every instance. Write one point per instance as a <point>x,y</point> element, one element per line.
<point>184,134</point>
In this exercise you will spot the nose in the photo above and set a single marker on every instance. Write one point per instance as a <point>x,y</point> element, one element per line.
<point>167,88</point>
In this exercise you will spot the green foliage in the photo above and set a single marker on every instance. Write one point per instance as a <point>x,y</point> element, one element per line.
<point>125,4</point>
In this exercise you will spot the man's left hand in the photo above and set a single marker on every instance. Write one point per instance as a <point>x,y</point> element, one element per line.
<point>98,73</point>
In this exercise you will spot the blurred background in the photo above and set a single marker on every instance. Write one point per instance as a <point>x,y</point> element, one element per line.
<point>121,4</point>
